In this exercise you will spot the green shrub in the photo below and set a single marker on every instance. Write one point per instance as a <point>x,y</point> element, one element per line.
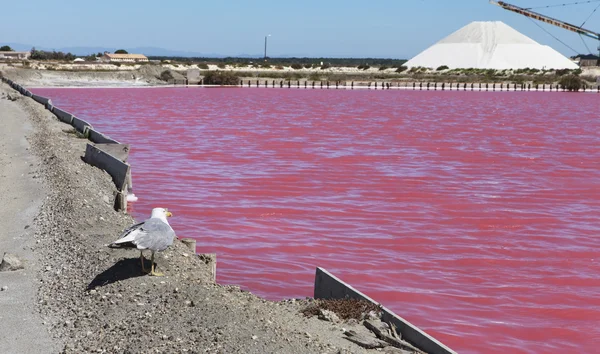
<point>203,66</point>
<point>314,76</point>
<point>221,78</point>
<point>383,67</point>
<point>401,69</point>
<point>443,67</point>
<point>308,66</point>
<point>296,66</point>
<point>363,67</point>
<point>325,66</point>
<point>121,51</point>
<point>221,65</point>
<point>571,83</point>
<point>166,75</point>
<point>6,48</point>
<point>279,67</point>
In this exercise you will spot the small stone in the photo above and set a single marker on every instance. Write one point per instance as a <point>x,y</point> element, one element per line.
<point>106,199</point>
<point>372,315</point>
<point>4,288</point>
<point>10,262</point>
<point>254,337</point>
<point>327,315</point>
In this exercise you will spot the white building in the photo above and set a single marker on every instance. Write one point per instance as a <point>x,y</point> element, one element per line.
<point>124,58</point>
<point>15,55</point>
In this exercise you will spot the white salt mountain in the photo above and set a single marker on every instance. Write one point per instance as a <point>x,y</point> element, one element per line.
<point>490,45</point>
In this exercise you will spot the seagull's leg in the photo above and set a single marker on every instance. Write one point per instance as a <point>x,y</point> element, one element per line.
<point>152,272</point>
<point>142,260</point>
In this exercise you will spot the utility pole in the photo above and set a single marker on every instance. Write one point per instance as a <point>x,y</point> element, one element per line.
<point>266,46</point>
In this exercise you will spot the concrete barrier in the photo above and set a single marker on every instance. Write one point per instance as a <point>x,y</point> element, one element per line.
<point>64,116</point>
<point>117,169</point>
<point>327,286</point>
<point>99,138</point>
<point>118,151</point>
<point>81,125</point>
<point>43,100</point>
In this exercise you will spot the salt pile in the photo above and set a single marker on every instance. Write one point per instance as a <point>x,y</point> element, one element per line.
<point>490,45</point>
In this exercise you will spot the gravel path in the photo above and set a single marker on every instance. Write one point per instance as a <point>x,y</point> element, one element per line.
<point>96,299</point>
<point>21,196</point>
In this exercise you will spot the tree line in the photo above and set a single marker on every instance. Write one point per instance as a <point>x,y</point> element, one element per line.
<point>287,61</point>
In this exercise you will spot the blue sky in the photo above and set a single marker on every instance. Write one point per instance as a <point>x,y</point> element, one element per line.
<point>329,28</point>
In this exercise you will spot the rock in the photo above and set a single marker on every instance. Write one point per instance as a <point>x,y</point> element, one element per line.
<point>106,199</point>
<point>365,341</point>
<point>327,315</point>
<point>394,350</point>
<point>4,288</point>
<point>372,315</point>
<point>10,262</point>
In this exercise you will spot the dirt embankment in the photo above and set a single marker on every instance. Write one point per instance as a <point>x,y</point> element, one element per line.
<point>147,76</point>
<point>96,299</point>
<point>72,75</point>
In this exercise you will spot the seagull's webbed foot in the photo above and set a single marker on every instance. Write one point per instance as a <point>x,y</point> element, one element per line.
<point>152,272</point>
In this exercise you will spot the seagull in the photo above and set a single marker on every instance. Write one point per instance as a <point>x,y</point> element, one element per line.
<point>153,234</point>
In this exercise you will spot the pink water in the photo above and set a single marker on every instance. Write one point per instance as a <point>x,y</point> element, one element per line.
<point>472,215</point>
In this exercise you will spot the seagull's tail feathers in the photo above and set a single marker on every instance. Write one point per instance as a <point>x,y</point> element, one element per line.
<point>127,237</point>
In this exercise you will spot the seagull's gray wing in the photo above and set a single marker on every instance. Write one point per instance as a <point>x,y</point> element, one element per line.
<point>154,235</point>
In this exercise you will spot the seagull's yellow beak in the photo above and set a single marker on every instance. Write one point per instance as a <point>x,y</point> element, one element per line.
<point>169,214</point>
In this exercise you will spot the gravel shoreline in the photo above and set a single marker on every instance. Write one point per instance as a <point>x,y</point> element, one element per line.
<point>96,299</point>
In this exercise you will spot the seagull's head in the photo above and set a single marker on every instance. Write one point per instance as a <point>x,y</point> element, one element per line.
<point>161,213</point>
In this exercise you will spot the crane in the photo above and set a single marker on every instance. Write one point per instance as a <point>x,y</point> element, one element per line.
<point>537,16</point>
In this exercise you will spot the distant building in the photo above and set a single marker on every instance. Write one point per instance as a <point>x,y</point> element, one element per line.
<point>124,58</point>
<point>586,60</point>
<point>15,55</point>
<point>193,76</point>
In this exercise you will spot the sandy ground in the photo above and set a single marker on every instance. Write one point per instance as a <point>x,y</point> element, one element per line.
<point>106,75</point>
<point>21,196</point>
<point>91,298</point>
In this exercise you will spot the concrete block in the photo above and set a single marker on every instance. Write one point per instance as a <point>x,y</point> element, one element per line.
<point>43,100</point>
<point>100,138</point>
<point>81,125</point>
<point>64,116</point>
<point>190,243</point>
<point>116,168</point>
<point>120,151</point>
<point>327,286</point>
